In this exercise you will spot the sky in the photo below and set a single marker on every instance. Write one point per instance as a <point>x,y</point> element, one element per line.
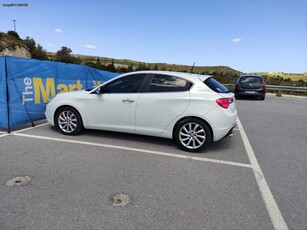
<point>246,35</point>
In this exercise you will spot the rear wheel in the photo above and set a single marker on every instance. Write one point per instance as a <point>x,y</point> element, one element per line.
<point>262,97</point>
<point>192,135</point>
<point>69,121</point>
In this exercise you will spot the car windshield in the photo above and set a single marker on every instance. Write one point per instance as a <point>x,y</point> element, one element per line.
<point>216,86</point>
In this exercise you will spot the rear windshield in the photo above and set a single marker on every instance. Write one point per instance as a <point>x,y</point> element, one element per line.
<point>216,86</point>
<point>251,79</point>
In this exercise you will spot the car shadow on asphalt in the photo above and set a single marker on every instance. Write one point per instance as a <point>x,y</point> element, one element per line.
<point>162,144</point>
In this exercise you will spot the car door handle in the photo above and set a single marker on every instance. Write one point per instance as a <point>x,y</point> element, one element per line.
<point>127,101</point>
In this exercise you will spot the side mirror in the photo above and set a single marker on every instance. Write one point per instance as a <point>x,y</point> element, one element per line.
<point>97,91</point>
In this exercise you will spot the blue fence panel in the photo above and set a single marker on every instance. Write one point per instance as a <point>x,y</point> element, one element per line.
<point>28,86</point>
<point>96,77</point>
<point>3,105</point>
<point>32,82</point>
<point>70,77</point>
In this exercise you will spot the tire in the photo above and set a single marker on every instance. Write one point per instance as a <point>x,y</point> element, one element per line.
<point>262,97</point>
<point>69,121</point>
<point>192,135</point>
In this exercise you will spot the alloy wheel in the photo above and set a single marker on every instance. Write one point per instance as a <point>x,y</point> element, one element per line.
<point>67,121</point>
<point>192,135</point>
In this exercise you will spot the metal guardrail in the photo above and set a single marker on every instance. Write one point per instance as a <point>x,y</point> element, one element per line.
<point>279,88</point>
<point>287,88</point>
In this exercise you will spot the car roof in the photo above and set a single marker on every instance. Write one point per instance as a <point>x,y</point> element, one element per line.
<point>187,76</point>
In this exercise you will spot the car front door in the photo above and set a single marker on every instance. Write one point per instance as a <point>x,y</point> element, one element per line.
<point>113,107</point>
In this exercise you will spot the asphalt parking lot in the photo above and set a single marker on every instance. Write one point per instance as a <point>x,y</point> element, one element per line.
<point>254,180</point>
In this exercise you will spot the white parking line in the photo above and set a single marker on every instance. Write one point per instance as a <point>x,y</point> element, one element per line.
<point>4,134</point>
<point>33,127</point>
<point>144,151</point>
<point>270,203</point>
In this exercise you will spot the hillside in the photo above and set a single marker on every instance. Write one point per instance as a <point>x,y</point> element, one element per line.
<point>223,70</point>
<point>11,46</point>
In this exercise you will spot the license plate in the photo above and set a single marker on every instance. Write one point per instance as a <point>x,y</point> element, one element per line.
<point>251,92</point>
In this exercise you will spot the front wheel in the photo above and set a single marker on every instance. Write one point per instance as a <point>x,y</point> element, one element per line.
<point>192,135</point>
<point>69,121</point>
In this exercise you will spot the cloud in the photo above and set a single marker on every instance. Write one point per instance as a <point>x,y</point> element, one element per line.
<point>50,45</point>
<point>90,46</point>
<point>236,40</point>
<point>59,31</point>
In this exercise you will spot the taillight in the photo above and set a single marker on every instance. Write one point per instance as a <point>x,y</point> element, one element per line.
<point>262,84</point>
<point>238,84</point>
<point>224,102</point>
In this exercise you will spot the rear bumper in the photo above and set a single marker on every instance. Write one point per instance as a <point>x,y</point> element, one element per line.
<point>250,92</point>
<point>230,133</point>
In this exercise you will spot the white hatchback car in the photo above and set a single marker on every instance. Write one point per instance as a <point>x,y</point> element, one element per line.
<point>191,109</point>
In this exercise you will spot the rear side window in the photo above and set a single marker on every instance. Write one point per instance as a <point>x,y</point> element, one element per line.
<point>216,86</point>
<point>165,83</point>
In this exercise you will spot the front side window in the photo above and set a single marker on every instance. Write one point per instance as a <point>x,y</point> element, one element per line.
<point>127,84</point>
<point>165,83</point>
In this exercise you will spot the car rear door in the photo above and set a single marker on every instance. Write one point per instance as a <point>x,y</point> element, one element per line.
<point>163,100</point>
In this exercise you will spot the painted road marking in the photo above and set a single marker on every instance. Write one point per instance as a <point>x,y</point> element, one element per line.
<point>270,203</point>
<point>4,134</point>
<point>33,127</point>
<point>145,151</point>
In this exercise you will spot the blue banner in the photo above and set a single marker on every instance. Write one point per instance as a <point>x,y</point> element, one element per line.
<point>32,82</point>
<point>3,104</point>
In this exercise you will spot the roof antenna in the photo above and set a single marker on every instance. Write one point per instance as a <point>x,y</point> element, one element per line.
<point>192,68</point>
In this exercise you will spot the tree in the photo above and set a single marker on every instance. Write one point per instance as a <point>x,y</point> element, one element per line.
<point>30,43</point>
<point>64,55</point>
<point>111,67</point>
<point>142,66</point>
<point>130,68</point>
<point>14,34</point>
<point>98,64</point>
<point>39,53</point>
<point>301,82</point>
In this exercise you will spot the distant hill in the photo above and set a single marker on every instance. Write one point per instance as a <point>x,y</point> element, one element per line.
<point>223,70</point>
<point>292,76</point>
